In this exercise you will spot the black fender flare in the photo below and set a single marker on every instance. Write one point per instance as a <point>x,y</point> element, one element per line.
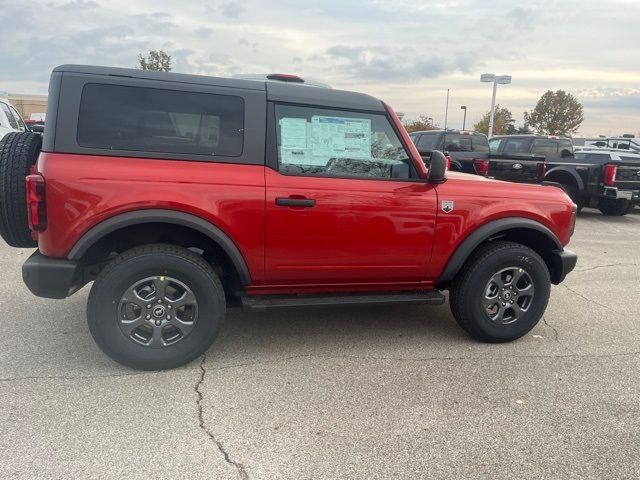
<point>569,171</point>
<point>163,216</point>
<point>485,232</point>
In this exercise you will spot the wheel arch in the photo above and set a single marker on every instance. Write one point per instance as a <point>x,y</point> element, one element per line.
<point>566,173</point>
<point>141,221</point>
<point>521,230</point>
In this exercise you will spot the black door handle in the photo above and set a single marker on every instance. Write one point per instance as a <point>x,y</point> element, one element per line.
<point>295,202</point>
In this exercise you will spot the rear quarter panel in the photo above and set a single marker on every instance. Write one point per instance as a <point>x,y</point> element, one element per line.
<point>478,201</point>
<point>83,191</point>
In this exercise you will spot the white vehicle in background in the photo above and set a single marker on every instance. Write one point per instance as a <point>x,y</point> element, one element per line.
<point>620,143</point>
<point>10,119</point>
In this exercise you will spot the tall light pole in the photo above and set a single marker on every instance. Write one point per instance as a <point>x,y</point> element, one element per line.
<point>464,120</point>
<point>496,79</point>
<point>446,112</point>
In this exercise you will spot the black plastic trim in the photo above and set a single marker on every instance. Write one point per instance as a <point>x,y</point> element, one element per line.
<point>163,216</point>
<point>483,233</point>
<point>268,302</point>
<point>562,263</point>
<point>51,277</point>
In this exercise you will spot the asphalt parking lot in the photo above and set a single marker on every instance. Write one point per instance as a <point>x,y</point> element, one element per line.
<point>395,392</point>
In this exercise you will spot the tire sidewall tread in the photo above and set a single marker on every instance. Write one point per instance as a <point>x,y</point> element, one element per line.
<point>471,280</point>
<point>135,264</point>
<point>18,153</point>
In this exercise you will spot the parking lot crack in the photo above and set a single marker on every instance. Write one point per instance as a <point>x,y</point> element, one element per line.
<point>625,264</point>
<point>590,300</point>
<point>242,473</point>
<point>556,335</point>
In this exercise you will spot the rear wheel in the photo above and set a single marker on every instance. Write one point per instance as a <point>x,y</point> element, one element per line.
<point>614,207</point>
<point>501,292</point>
<point>18,153</point>
<point>156,307</point>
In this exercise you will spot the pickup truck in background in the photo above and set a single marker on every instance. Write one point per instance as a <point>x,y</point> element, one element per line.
<point>549,147</point>
<point>603,178</point>
<point>469,152</point>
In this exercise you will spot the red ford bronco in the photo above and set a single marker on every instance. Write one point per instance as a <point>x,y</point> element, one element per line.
<point>182,195</point>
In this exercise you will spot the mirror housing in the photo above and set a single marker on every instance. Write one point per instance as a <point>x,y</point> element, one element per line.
<point>437,167</point>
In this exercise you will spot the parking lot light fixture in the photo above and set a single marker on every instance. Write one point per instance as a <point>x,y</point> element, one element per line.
<point>496,79</point>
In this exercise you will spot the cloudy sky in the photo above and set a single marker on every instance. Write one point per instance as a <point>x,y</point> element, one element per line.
<point>405,52</point>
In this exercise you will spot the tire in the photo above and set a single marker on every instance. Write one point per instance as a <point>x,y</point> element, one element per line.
<point>574,193</point>
<point>614,208</point>
<point>18,153</point>
<point>474,281</point>
<point>129,337</point>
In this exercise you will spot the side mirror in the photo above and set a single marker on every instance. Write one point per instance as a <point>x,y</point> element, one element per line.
<point>37,128</point>
<point>437,167</point>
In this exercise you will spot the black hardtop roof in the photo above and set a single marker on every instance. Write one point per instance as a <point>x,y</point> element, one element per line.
<point>276,91</point>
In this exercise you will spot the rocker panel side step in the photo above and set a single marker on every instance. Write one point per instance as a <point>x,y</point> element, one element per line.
<point>267,302</point>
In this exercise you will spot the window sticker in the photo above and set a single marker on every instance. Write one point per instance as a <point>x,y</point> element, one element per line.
<point>337,137</point>
<point>293,134</point>
<point>324,138</point>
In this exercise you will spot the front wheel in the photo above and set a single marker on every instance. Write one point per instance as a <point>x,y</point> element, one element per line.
<point>156,307</point>
<point>501,292</point>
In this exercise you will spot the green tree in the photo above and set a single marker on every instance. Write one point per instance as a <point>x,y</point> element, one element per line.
<point>421,123</point>
<point>157,60</point>
<point>556,113</point>
<point>503,122</point>
<point>524,129</point>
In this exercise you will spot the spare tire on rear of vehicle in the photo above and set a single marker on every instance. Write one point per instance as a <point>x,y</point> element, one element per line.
<point>18,153</point>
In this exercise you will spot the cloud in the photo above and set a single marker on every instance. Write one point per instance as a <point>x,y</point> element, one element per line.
<point>392,64</point>
<point>232,9</point>
<point>79,5</point>
<point>406,52</point>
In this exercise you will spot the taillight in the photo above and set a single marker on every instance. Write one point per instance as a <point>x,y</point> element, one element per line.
<point>542,169</point>
<point>574,214</point>
<point>36,204</point>
<point>609,174</point>
<point>448,158</point>
<point>482,166</point>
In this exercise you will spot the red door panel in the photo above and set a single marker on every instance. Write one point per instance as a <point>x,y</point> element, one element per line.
<point>337,230</point>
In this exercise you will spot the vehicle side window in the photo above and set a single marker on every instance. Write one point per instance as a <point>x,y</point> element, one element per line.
<point>427,142</point>
<point>16,115</point>
<point>10,118</point>
<point>543,146</point>
<point>566,148</point>
<point>334,143</point>
<point>157,120</point>
<point>457,143</point>
<point>515,145</point>
<point>479,143</point>
<point>494,144</point>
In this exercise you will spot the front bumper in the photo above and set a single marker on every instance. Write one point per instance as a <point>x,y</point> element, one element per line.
<point>562,262</point>
<point>51,277</point>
